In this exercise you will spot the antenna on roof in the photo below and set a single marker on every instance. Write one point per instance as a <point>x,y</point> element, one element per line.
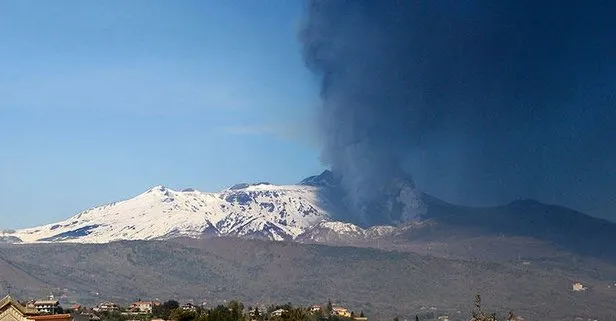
<point>8,289</point>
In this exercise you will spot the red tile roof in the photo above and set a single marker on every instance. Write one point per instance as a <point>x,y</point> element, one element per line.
<point>55,317</point>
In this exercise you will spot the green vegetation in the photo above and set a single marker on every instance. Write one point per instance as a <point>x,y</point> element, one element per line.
<point>164,310</point>
<point>118,316</point>
<point>480,315</point>
<point>235,311</point>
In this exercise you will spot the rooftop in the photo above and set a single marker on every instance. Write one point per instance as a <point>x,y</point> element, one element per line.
<point>51,317</point>
<point>46,302</point>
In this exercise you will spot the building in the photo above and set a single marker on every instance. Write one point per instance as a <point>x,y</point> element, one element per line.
<point>341,311</point>
<point>278,313</point>
<point>12,310</point>
<point>107,307</point>
<point>315,308</point>
<point>48,306</point>
<point>189,307</point>
<point>141,306</point>
<point>578,286</point>
<point>144,306</point>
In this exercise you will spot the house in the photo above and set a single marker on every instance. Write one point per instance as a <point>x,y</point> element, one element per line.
<point>341,312</point>
<point>107,307</point>
<point>256,310</point>
<point>143,306</point>
<point>578,286</point>
<point>12,310</point>
<point>315,308</point>
<point>189,307</point>
<point>443,318</point>
<point>278,313</point>
<point>48,306</point>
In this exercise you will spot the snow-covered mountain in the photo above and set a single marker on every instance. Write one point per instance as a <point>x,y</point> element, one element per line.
<point>260,210</point>
<point>312,211</point>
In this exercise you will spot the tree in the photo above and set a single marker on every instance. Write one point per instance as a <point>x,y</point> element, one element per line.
<point>330,307</point>
<point>416,318</point>
<point>296,314</point>
<point>112,316</point>
<point>181,315</point>
<point>219,313</point>
<point>163,311</point>
<point>237,310</point>
<point>361,314</point>
<point>480,315</point>
<point>171,305</point>
<point>396,319</point>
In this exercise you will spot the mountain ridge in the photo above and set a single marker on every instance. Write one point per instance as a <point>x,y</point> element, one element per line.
<point>313,211</point>
<point>279,211</point>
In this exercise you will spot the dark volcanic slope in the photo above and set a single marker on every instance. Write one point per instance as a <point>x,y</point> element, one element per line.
<point>525,228</point>
<point>564,228</point>
<point>379,282</point>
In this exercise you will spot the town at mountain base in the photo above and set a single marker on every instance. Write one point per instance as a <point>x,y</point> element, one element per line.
<point>47,310</point>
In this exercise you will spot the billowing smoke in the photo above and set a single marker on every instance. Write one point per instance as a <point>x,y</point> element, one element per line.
<point>496,94</point>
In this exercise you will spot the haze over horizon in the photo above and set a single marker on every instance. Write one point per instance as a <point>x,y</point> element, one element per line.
<point>101,102</point>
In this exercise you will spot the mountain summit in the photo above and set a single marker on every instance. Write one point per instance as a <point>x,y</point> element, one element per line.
<point>258,210</point>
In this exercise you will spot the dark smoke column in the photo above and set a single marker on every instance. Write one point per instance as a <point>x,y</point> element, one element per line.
<point>500,99</point>
<point>363,94</point>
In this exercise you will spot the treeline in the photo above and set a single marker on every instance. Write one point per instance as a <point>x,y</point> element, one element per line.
<point>235,311</point>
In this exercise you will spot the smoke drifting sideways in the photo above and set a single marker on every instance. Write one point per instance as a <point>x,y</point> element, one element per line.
<point>510,98</point>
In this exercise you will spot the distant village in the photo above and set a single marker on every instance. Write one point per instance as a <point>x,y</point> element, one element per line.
<point>49,309</point>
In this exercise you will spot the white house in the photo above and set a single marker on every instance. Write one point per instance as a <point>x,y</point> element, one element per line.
<point>578,286</point>
<point>143,306</point>
<point>278,313</point>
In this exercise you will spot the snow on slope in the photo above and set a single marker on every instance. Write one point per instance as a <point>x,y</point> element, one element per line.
<point>334,232</point>
<point>245,210</point>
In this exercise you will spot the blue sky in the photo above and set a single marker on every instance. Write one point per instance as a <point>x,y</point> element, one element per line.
<point>101,100</point>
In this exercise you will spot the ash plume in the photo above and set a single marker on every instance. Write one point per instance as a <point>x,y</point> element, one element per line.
<point>483,100</point>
